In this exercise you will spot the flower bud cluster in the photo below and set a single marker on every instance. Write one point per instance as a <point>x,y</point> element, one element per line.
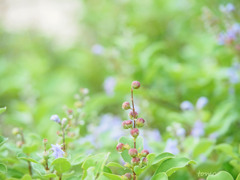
<point>138,158</point>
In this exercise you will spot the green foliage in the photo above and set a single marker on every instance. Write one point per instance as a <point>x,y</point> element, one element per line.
<point>222,175</point>
<point>61,165</point>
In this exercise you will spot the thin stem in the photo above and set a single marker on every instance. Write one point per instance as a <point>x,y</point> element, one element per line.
<point>134,125</point>
<point>30,168</point>
<point>22,137</point>
<point>63,139</point>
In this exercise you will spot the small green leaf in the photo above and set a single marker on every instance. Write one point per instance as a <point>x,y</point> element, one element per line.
<point>111,176</point>
<point>61,165</point>
<point>114,164</point>
<point>160,176</point>
<point>150,158</point>
<point>222,175</point>
<point>226,148</point>
<point>26,158</point>
<point>162,157</point>
<point>203,146</point>
<point>171,165</point>
<point>78,160</point>
<point>238,177</point>
<point>90,174</point>
<point>26,177</point>
<point>3,168</point>
<point>2,110</point>
<point>28,149</point>
<point>2,140</point>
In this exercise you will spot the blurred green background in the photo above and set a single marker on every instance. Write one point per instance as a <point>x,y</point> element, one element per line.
<point>50,49</point>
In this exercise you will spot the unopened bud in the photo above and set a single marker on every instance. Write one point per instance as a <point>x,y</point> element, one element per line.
<point>144,153</point>
<point>120,147</point>
<point>64,120</point>
<point>127,165</point>
<point>136,84</point>
<point>144,161</point>
<point>59,133</point>
<point>127,124</point>
<point>135,161</point>
<point>69,111</point>
<point>127,176</point>
<point>133,114</point>
<point>134,132</point>
<point>45,141</point>
<point>140,122</point>
<point>19,144</point>
<point>15,131</point>
<point>133,152</point>
<point>126,105</point>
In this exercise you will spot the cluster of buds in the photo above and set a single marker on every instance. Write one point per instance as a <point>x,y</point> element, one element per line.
<point>138,158</point>
<point>18,132</point>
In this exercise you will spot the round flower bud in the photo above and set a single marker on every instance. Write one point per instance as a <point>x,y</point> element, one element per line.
<point>19,144</point>
<point>15,131</point>
<point>134,132</point>
<point>64,120</point>
<point>45,141</point>
<point>133,152</point>
<point>140,122</point>
<point>136,84</point>
<point>133,114</point>
<point>144,152</point>
<point>144,161</point>
<point>135,161</point>
<point>126,105</point>
<point>120,147</point>
<point>127,124</point>
<point>128,176</point>
<point>69,111</point>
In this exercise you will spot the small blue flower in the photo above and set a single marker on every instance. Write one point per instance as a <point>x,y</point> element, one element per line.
<point>97,49</point>
<point>227,8</point>
<point>171,146</point>
<point>198,129</point>
<point>57,151</point>
<point>186,105</point>
<point>55,118</point>
<point>109,85</point>
<point>201,102</point>
<point>221,38</point>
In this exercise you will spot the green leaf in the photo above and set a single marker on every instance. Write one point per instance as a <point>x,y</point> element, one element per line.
<point>238,177</point>
<point>226,148</point>
<point>90,174</point>
<point>160,176</point>
<point>26,158</point>
<point>2,140</point>
<point>171,165</point>
<point>61,165</point>
<point>3,168</point>
<point>129,140</point>
<point>78,160</point>
<point>26,177</point>
<point>222,175</point>
<point>114,164</point>
<point>150,158</point>
<point>162,157</point>
<point>51,175</point>
<point>202,147</point>
<point>111,176</point>
<point>2,110</point>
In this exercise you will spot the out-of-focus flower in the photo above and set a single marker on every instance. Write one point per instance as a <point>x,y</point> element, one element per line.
<point>109,85</point>
<point>213,136</point>
<point>55,118</point>
<point>186,105</point>
<point>227,8</point>
<point>201,102</point>
<point>57,151</point>
<point>97,49</point>
<point>233,73</point>
<point>171,146</point>
<point>180,132</point>
<point>230,35</point>
<point>176,129</point>
<point>198,129</point>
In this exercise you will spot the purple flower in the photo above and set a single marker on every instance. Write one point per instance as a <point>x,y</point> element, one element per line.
<point>171,146</point>
<point>180,132</point>
<point>201,102</point>
<point>55,118</point>
<point>198,129</point>
<point>227,8</point>
<point>109,85</point>
<point>97,49</point>
<point>221,38</point>
<point>57,151</point>
<point>233,74</point>
<point>186,105</point>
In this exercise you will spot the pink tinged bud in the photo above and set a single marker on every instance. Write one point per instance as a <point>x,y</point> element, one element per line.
<point>120,147</point>
<point>133,152</point>
<point>126,105</point>
<point>136,84</point>
<point>45,141</point>
<point>134,132</point>
<point>144,153</point>
<point>144,161</point>
<point>128,176</point>
<point>135,161</point>
<point>69,111</point>
<point>127,124</point>
<point>133,114</point>
<point>140,122</point>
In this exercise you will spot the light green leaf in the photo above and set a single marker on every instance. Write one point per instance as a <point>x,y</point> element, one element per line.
<point>2,140</point>
<point>90,174</point>
<point>3,168</point>
<point>160,176</point>
<point>226,148</point>
<point>150,158</point>
<point>26,177</point>
<point>114,164</point>
<point>78,160</point>
<point>171,165</point>
<point>28,149</point>
<point>202,147</point>
<point>238,177</point>
<point>162,157</point>
<point>61,165</point>
<point>222,175</point>
<point>111,176</point>
<point>26,158</point>
<point>2,110</point>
